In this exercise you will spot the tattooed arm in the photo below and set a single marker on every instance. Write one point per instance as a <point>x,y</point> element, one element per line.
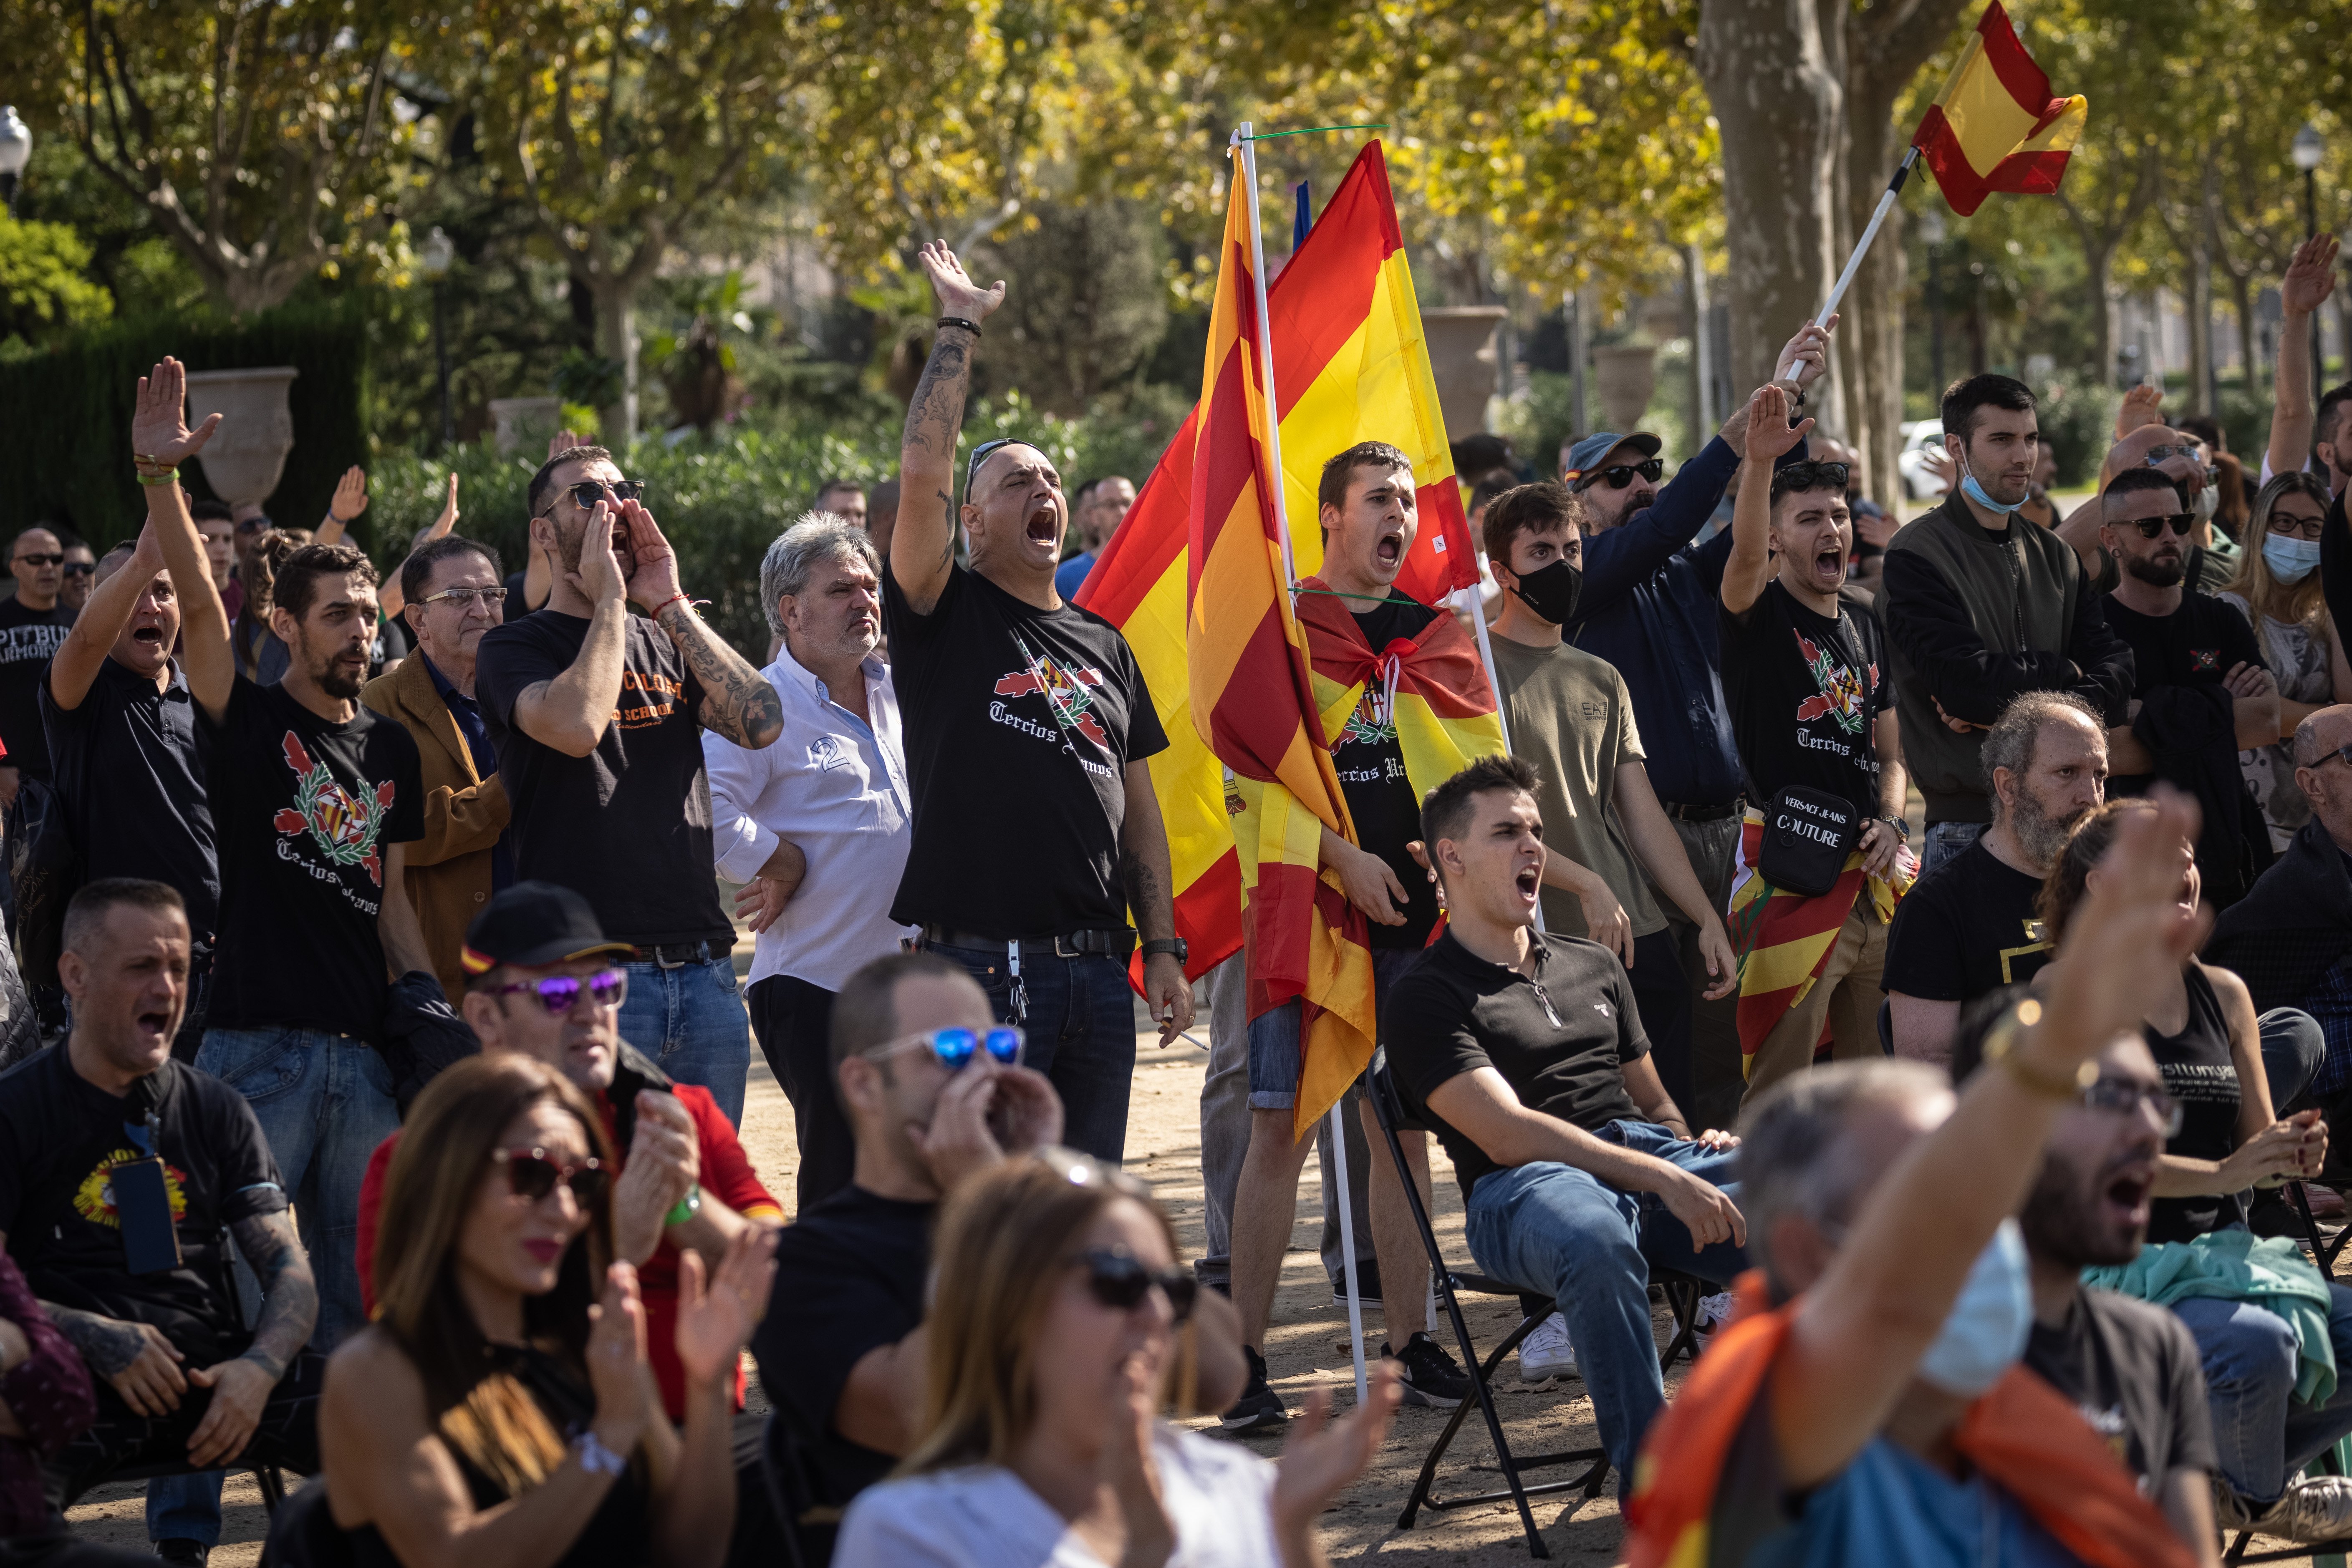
<point>922,547</point>
<point>290,1306</point>
<point>737,700</point>
<point>135,1358</point>
<point>1152,899</point>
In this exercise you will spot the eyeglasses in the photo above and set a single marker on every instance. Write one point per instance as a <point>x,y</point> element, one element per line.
<point>1617,476</point>
<point>2153,527</point>
<point>253,525</point>
<point>465,598</point>
<point>531,1175</point>
<point>1817,475</point>
<point>2341,753</point>
<point>955,1047</point>
<point>1119,1280</point>
<point>80,568</point>
<point>2124,1097</point>
<point>57,559</point>
<point>588,492</point>
<point>559,993</point>
<point>2297,527</point>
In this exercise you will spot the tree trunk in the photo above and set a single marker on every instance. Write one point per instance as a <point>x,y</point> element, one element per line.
<point>2097,260</point>
<point>616,339</point>
<point>2249,354</point>
<point>2200,304</point>
<point>1780,107</point>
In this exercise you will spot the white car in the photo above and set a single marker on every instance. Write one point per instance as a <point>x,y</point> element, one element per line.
<point>1919,482</point>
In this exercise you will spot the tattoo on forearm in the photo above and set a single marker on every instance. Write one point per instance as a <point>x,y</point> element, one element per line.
<point>289,1295</point>
<point>737,700</point>
<point>1142,884</point>
<point>106,1345</point>
<point>934,419</point>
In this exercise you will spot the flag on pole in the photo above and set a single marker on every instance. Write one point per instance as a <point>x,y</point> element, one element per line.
<point>1997,126</point>
<point>1350,365</point>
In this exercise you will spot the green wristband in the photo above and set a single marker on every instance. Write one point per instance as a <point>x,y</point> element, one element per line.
<point>686,1207</point>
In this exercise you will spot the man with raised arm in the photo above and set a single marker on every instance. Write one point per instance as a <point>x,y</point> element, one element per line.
<point>1027,722</point>
<point>598,717</point>
<point>2310,279</point>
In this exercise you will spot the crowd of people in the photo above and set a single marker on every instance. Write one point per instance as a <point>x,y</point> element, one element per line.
<point>376,1056</point>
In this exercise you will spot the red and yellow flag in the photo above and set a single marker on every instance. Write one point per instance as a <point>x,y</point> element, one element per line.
<point>1996,126</point>
<point>1350,365</point>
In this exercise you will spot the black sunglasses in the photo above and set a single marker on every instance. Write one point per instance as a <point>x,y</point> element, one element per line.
<point>1120,1282</point>
<point>2153,527</point>
<point>588,492</point>
<point>57,559</point>
<point>80,568</point>
<point>1620,475</point>
<point>531,1175</point>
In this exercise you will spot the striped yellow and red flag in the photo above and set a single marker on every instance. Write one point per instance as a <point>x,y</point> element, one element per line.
<point>1997,126</point>
<point>1784,938</point>
<point>1350,365</point>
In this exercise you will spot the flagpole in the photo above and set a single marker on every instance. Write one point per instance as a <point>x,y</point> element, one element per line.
<point>1861,246</point>
<point>1247,177</point>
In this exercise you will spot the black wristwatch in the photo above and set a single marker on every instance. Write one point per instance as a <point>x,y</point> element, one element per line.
<point>1901,829</point>
<point>1173,946</point>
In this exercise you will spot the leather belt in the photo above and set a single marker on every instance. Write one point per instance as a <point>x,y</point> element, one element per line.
<point>677,955</point>
<point>1687,813</point>
<point>1075,944</point>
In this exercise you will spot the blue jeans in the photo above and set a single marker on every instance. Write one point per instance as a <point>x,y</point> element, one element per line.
<point>689,1019</point>
<point>1565,1233</point>
<point>1080,1027</point>
<point>2293,1046</point>
<point>1946,839</point>
<point>2262,1437</point>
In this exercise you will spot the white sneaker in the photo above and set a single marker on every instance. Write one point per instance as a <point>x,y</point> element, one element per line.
<point>1546,1353</point>
<point>1714,1311</point>
<point>2316,1508</point>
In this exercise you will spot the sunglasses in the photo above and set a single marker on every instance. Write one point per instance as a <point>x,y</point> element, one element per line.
<point>80,568</point>
<point>2153,527</point>
<point>467,597</point>
<point>559,993</point>
<point>253,525</point>
<point>1818,476</point>
<point>57,559</point>
<point>1119,1280</point>
<point>588,492</point>
<point>2157,454</point>
<point>2122,1097</point>
<point>955,1047</point>
<point>531,1175</point>
<point>1617,476</point>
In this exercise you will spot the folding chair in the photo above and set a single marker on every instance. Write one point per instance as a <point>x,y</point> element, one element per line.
<point>794,1499</point>
<point>2323,1252</point>
<point>2335,1461</point>
<point>1682,1292</point>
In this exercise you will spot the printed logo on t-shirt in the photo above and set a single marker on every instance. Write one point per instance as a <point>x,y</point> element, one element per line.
<point>1842,691</point>
<point>825,754</point>
<point>2204,658</point>
<point>646,698</point>
<point>342,829</point>
<point>94,1199</point>
<point>30,644</point>
<point>1069,691</point>
<point>1603,1008</point>
<point>1374,720</point>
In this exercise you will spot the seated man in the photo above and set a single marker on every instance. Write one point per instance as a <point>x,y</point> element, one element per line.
<point>1968,927</point>
<point>120,1167</point>
<point>1524,1053</point>
<point>1867,1406</point>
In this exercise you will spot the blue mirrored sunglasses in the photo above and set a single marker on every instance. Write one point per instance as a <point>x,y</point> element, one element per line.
<point>955,1047</point>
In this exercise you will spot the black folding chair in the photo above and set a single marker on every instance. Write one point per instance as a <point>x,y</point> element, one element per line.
<point>1682,1294</point>
<point>794,1499</point>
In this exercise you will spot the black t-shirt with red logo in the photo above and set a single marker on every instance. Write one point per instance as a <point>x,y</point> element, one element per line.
<point>2195,645</point>
<point>1804,692</point>
<point>627,826</point>
<point>304,810</point>
<point>1370,764</point>
<point>1020,724</point>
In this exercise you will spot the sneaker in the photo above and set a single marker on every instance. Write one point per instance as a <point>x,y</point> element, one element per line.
<point>1368,1285</point>
<point>1714,1311</point>
<point>1432,1377</point>
<point>179,1548</point>
<point>2316,1508</point>
<point>1259,1407</point>
<point>1546,1353</point>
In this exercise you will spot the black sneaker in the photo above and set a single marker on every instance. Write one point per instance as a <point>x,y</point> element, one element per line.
<point>179,1548</point>
<point>1259,1407</point>
<point>1368,1285</point>
<point>1432,1377</point>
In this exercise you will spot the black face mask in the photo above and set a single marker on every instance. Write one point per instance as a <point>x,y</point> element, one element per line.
<point>1552,591</point>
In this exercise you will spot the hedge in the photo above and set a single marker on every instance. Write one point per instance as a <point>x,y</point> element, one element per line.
<point>69,411</point>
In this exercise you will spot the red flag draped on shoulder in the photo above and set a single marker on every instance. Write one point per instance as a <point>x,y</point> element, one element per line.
<point>1997,126</point>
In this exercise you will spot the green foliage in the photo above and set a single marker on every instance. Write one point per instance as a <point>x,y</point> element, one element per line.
<point>2078,425</point>
<point>69,409</point>
<point>43,290</point>
<point>1088,300</point>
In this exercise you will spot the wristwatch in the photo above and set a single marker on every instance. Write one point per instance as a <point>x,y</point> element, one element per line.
<point>2001,1050</point>
<point>1901,829</point>
<point>1173,946</point>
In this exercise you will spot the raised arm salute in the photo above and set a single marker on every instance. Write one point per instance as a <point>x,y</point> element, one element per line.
<point>922,548</point>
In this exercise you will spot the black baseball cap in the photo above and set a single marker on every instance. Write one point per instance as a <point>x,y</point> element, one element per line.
<point>535,924</point>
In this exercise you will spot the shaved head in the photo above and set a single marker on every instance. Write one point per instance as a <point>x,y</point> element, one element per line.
<point>2322,733</point>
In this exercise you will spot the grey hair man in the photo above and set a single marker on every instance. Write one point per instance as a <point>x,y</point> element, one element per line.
<point>816,827</point>
<point>1968,927</point>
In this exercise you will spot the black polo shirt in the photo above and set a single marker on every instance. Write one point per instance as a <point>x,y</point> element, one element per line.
<point>1560,1039</point>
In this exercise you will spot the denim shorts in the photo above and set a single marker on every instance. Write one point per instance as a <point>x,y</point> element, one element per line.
<point>1274,1048</point>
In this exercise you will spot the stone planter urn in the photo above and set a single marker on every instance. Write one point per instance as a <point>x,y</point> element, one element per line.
<point>1626,374</point>
<point>246,456</point>
<point>1460,339</point>
<point>523,421</point>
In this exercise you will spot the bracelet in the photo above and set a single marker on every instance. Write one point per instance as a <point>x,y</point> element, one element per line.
<point>971,327</point>
<point>673,599</point>
<point>595,1457</point>
<point>685,1208</point>
<point>168,477</point>
<point>2000,1047</point>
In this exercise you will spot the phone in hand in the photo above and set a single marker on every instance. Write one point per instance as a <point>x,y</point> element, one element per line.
<point>142,1201</point>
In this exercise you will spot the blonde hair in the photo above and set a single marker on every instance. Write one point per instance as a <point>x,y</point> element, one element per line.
<point>1000,1239</point>
<point>2296,604</point>
<point>483,1412</point>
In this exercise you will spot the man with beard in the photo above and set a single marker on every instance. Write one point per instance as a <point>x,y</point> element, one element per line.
<point>1969,928</point>
<point>2201,692</point>
<point>598,717</point>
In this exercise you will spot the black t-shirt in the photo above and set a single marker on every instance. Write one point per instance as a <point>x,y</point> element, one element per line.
<point>60,1136</point>
<point>1560,1039</point>
<point>28,640</point>
<point>1020,724</point>
<point>1966,929</point>
<point>305,808</point>
<point>849,1279</point>
<point>1370,764</point>
<point>2133,1371</point>
<point>130,765</point>
<point>2195,645</point>
<point>627,826</point>
<point>1803,696</point>
<point>2201,1072</point>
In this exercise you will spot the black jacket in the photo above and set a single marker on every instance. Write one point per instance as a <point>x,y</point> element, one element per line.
<point>2191,733</point>
<point>2293,926</point>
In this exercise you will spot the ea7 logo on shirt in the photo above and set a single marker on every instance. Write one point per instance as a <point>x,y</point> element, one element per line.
<point>2204,658</point>
<point>1603,1008</point>
<point>340,827</point>
<point>1842,691</point>
<point>1070,693</point>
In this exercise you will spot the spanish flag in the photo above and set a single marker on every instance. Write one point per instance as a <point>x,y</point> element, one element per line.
<point>1350,365</point>
<point>1996,125</point>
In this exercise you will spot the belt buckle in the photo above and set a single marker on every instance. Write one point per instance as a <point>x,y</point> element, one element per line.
<point>662,963</point>
<point>1059,952</point>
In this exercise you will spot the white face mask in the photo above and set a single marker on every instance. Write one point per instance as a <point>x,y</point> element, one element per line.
<point>2208,502</point>
<point>1986,1330</point>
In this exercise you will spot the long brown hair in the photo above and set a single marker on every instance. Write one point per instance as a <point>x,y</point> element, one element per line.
<point>2063,889</point>
<point>2299,603</point>
<point>257,573</point>
<point>1000,1236</point>
<point>436,1176</point>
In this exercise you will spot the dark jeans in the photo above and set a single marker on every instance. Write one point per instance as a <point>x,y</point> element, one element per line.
<point>1662,992</point>
<point>793,1021</point>
<point>123,1440</point>
<point>1080,1027</point>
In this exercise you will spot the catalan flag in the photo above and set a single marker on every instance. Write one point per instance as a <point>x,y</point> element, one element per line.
<point>1350,365</point>
<point>1997,126</point>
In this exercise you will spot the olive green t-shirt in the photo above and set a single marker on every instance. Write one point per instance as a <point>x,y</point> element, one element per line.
<point>1571,716</point>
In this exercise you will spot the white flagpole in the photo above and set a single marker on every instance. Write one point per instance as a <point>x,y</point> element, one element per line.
<point>1861,247</point>
<point>1246,174</point>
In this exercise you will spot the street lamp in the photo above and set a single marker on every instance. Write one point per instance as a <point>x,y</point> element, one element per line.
<point>436,254</point>
<point>1931,229</point>
<point>15,152</point>
<point>2307,149</point>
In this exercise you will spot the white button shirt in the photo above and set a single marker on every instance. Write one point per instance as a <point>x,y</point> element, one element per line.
<point>837,787</point>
